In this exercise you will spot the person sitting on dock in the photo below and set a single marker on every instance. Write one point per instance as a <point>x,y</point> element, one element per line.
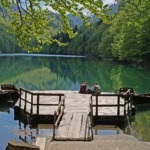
<point>83,88</point>
<point>97,88</point>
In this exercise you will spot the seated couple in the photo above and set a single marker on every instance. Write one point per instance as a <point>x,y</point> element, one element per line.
<point>96,88</point>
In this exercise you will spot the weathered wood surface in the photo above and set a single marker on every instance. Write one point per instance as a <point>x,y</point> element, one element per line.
<point>75,102</point>
<point>74,127</point>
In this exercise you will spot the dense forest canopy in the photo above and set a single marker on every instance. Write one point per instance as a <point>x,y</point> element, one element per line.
<point>126,38</point>
<point>35,21</point>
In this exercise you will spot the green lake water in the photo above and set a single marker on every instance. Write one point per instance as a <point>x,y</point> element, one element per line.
<point>65,73</point>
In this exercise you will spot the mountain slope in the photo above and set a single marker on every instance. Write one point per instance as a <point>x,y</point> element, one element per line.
<point>9,43</point>
<point>78,20</point>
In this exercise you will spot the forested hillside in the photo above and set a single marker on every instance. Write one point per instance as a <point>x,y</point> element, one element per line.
<point>85,43</point>
<point>127,38</point>
<point>8,41</point>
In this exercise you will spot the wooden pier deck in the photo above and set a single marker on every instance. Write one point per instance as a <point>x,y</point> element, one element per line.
<point>72,113</point>
<point>75,102</point>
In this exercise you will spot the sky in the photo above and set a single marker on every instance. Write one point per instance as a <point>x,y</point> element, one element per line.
<point>85,11</point>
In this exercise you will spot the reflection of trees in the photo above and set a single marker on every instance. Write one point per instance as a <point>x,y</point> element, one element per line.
<point>61,73</point>
<point>142,124</point>
<point>29,73</point>
<point>110,75</point>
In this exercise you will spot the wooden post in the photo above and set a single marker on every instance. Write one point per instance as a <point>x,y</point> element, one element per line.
<point>59,102</point>
<point>38,104</point>
<point>118,130</point>
<point>96,105</point>
<point>118,110</point>
<point>19,128</point>
<point>131,102</point>
<point>20,98</point>
<point>31,103</point>
<point>25,138</point>
<point>125,106</point>
<point>95,131</point>
<point>31,136</point>
<point>128,105</point>
<point>25,100</point>
<point>54,124</point>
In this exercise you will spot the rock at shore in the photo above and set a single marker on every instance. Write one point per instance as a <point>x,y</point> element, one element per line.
<point>17,145</point>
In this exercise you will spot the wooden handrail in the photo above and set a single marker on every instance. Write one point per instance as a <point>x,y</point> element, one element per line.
<point>108,105</point>
<point>106,94</point>
<point>91,116</point>
<point>127,92</point>
<point>60,104</point>
<point>45,94</point>
<point>60,116</point>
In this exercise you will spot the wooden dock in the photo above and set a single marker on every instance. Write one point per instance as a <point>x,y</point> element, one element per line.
<point>74,126</point>
<point>72,113</point>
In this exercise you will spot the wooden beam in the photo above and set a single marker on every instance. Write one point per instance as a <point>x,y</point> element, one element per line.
<point>60,116</point>
<point>44,94</point>
<point>37,104</point>
<point>96,105</point>
<point>118,109</point>
<point>31,103</point>
<point>60,104</point>
<point>108,105</point>
<point>106,94</point>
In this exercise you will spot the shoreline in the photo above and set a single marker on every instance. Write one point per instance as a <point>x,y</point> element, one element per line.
<point>142,63</point>
<point>41,55</point>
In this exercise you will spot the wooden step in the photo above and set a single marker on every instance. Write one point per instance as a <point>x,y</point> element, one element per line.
<point>74,127</point>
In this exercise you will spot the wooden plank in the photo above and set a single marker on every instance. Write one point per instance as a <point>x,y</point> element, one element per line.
<point>88,130</point>
<point>75,126</point>
<point>84,128</point>
<point>62,132</point>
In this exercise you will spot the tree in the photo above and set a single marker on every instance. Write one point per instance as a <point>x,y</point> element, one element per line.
<point>31,19</point>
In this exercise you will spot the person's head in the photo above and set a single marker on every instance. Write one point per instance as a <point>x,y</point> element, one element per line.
<point>85,83</point>
<point>96,83</point>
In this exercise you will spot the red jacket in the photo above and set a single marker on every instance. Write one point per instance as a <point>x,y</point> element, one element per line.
<point>82,88</point>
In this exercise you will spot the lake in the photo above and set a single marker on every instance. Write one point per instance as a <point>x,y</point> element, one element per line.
<point>67,73</point>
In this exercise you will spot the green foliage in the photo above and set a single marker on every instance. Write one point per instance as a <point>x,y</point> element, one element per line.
<point>85,43</point>
<point>8,41</point>
<point>35,21</point>
<point>60,73</point>
<point>129,34</point>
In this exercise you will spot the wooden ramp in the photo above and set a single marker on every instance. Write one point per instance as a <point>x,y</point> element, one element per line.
<point>74,127</point>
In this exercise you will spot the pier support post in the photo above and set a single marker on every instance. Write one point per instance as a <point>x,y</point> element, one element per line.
<point>38,104</point>
<point>20,98</point>
<point>25,101</point>
<point>118,110</point>
<point>59,102</point>
<point>96,105</point>
<point>31,103</point>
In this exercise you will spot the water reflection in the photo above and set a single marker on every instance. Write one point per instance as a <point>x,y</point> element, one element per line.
<point>58,73</point>
<point>141,126</point>
<point>52,73</point>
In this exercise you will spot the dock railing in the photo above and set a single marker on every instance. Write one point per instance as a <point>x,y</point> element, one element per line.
<point>127,103</point>
<point>58,114</point>
<point>91,115</point>
<point>38,103</point>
